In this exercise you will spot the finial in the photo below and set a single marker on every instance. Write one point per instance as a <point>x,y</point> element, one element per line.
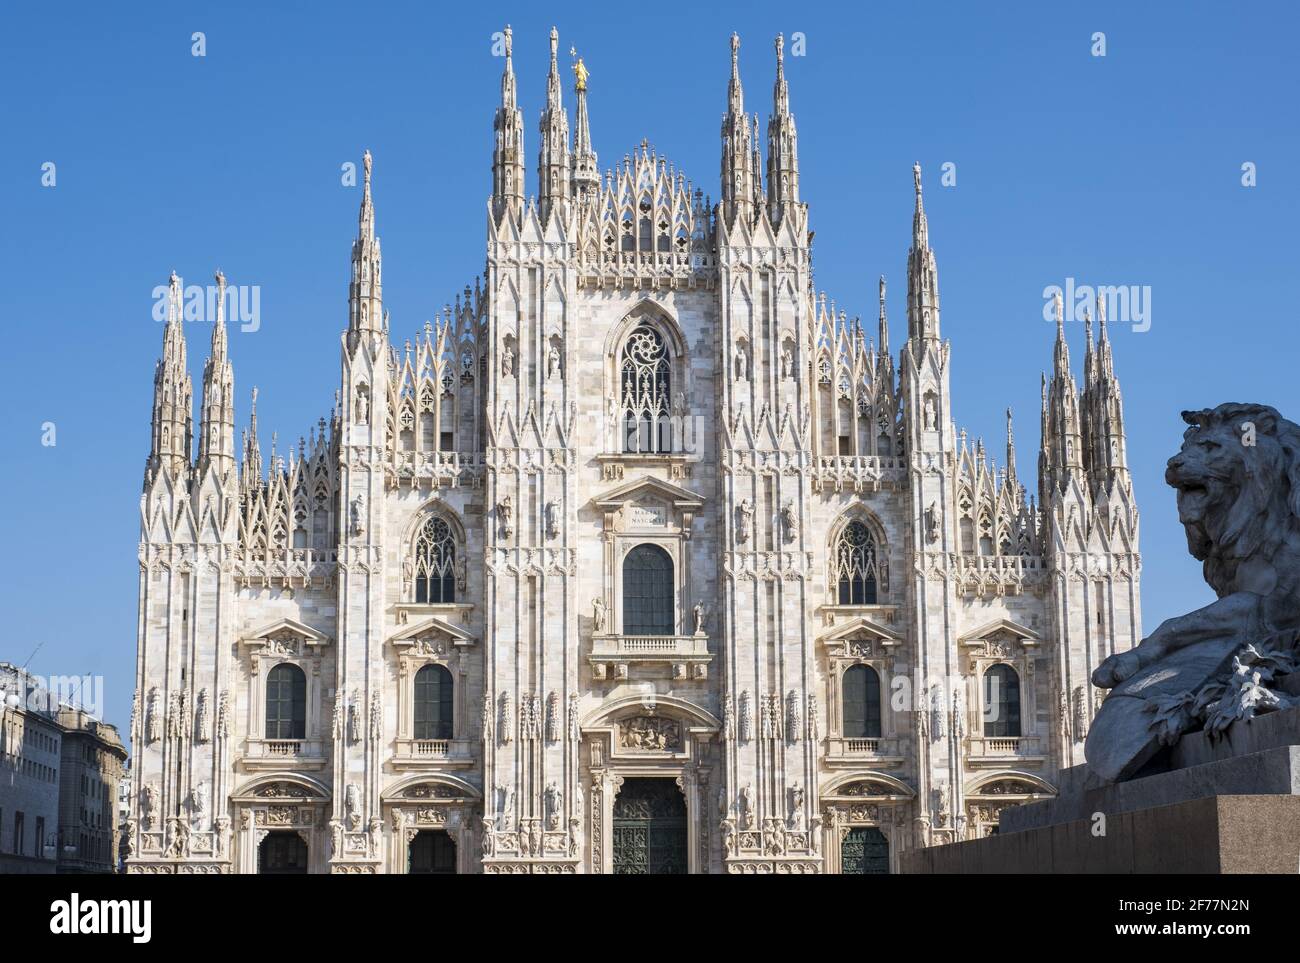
<point>882,289</point>
<point>220,279</point>
<point>509,42</point>
<point>1101,310</point>
<point>735,48</point>
<point>916,177</point>
<point>580,72</point>
<point>367,162</point>
<point>780,50</point>
<point>1059,308</point>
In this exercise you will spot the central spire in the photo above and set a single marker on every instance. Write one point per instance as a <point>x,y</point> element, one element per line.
<point>586,173</point>
<point>365,292</point>
<point>782,149</point>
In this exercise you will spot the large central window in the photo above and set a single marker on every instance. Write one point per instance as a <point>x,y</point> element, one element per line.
<point>435,563</point>
<point>286,702</point>
<point>855,566</point>
<point>433,703</point>
<point>645,392</point>
<point>647,592</point>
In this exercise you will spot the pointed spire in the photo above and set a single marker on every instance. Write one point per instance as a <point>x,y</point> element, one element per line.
<point>553,155</point>
<point>782,145</point>
<point>217,429</point>
<point>922,274</point>
<point>365,290</point>
<point>172,440</point>
<point>756,163</point>
<point>586,171</point>
<point>508,152</point>
<point>883,326</point>
<point>738,174</point>
<point>251,474</point>
<point>1011,450</point>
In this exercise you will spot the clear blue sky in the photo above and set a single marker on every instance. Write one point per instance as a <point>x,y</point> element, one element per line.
<point>1120,170</point>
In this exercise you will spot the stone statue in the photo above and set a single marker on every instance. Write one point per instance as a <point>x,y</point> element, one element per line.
<point>932,523</point>
<point>598,605</point>
<point>552,519</point>
<point>358,512</point>
<point>1238,481</point>
<point>507,361</point>
<point>199,801</point>
<point>553,362</point>
<point>789,522</point>
<point>153,724</point>
<point>505,511</point>
<point>148,804</point>
<point>747,807</point>
<point>742,363</point>
<point>363,406</point>
<point>554,802</point>
<point>745,520</point>
<point>787,363</point>
<point>201,716</point>
<point>931,417</point>
<point>700,613</point>
<point>352,806</point>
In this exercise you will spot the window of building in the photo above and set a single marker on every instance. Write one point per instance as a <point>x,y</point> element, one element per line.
<point>433,703</point>
<point>645,392</point>
<point>286,702</point>
<point>435,562</point>
<point>1001,702</point>
<point>861,703</point>
<point>20,847</point>
<point>855,566</point>
<point>648,592</point>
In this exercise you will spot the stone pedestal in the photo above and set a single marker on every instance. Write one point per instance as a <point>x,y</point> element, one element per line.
<point>1230,805</point>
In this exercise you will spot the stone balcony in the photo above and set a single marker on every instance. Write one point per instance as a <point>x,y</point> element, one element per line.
<point>283,754</point>
<point>433,754</point>
<point>686,655</point>
<point>996,750</point>
<point>854,752</point>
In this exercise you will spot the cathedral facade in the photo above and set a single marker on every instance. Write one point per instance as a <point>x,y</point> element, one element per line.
<point>642,557</point>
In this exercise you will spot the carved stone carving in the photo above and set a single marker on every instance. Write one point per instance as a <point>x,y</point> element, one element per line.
<point>650,734</point>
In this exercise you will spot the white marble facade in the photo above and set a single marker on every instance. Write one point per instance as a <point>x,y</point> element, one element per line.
<point>768,428</point>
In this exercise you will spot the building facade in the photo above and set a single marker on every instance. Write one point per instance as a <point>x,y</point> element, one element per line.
<point>91,761</point>
<point>30,747</point>
<point>642,558</point>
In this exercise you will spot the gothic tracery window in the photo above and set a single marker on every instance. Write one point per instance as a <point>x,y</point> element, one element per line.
<point>435,562</point>
<point>856,570</point>
<point>645,392</point>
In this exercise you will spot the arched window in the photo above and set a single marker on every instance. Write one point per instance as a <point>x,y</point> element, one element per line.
<point>1001,702</point>
<point>433,703</point>
<point>286,702</point>
<point>647,592</point>
<point>435,562</point>
<point>645,392</point>
<point>861,703</point>
<point>855,565</point>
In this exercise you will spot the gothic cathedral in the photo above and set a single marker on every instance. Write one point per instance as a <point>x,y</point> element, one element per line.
<point>641,558</point>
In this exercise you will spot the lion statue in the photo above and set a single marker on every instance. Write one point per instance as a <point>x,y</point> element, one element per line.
<point>1238,481</point>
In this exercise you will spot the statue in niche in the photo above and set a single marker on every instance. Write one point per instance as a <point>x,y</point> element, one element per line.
<point>747,807</point>
<point>363,406</point>
<point>745,520</point>
<point>507,361</point>
<point>599,614</point>
<point>505,511</point>
<point>552,519</point>
<point>352,806</point>
<point>201,716</point>
<point>742,363</point>
<point>358,511</point>
<point>932,523</point>
<point>789,521</point>
<point>153,724</point>
<point>931,415</point>
<point>198,801</point>
<point>554,802</point>
<point>700,613</point>
<point>787,363</point>
<point>553,363</point>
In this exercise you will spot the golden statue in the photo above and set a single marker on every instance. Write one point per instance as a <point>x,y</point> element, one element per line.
<point>580,71</point>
